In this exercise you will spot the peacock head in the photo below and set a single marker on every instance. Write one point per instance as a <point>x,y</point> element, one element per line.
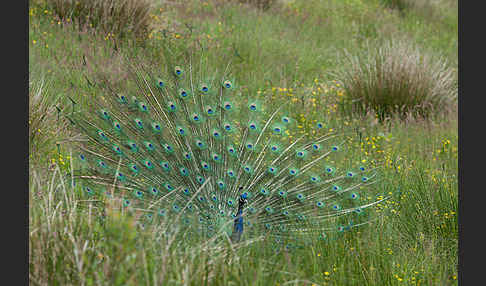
<point>243,198</point>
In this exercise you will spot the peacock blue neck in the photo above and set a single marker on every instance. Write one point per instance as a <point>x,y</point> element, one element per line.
<point>238,222</point>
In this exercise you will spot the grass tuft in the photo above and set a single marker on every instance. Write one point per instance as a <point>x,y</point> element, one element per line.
<point>260,4</point>
<point>396,78</point>
<point>45,122</point>
<point>117,18</point>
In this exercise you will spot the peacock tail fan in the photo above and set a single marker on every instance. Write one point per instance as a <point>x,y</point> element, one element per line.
<point>180,147</point>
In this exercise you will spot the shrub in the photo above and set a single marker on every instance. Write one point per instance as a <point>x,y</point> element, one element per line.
<point>401,5</point>
<point>117,17</point>
<point>396,79</point>
<point>261,4</point>
<point>432,10</point>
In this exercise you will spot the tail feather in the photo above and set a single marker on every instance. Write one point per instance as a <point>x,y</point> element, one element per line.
<point>186,144</point>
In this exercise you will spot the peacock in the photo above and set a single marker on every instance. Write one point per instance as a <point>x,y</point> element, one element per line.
<point>187,147</point>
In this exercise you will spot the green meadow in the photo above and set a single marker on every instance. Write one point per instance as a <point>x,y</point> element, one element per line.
<point>311,55</point>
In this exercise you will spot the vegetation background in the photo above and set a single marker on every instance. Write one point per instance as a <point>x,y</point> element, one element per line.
<point>385,69</point>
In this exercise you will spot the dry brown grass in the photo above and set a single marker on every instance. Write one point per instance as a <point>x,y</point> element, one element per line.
<point>119,18</point>
<point>429,9</point>
<point>261,4</point>
<point>397,79</point>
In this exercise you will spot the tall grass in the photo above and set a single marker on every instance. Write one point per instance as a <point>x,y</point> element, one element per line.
<point>432,9</point>
<point>75,241</point>
<point>261,4</point>
<point>397,78</point>
<point>119,18</point>
<point>45,123</point>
